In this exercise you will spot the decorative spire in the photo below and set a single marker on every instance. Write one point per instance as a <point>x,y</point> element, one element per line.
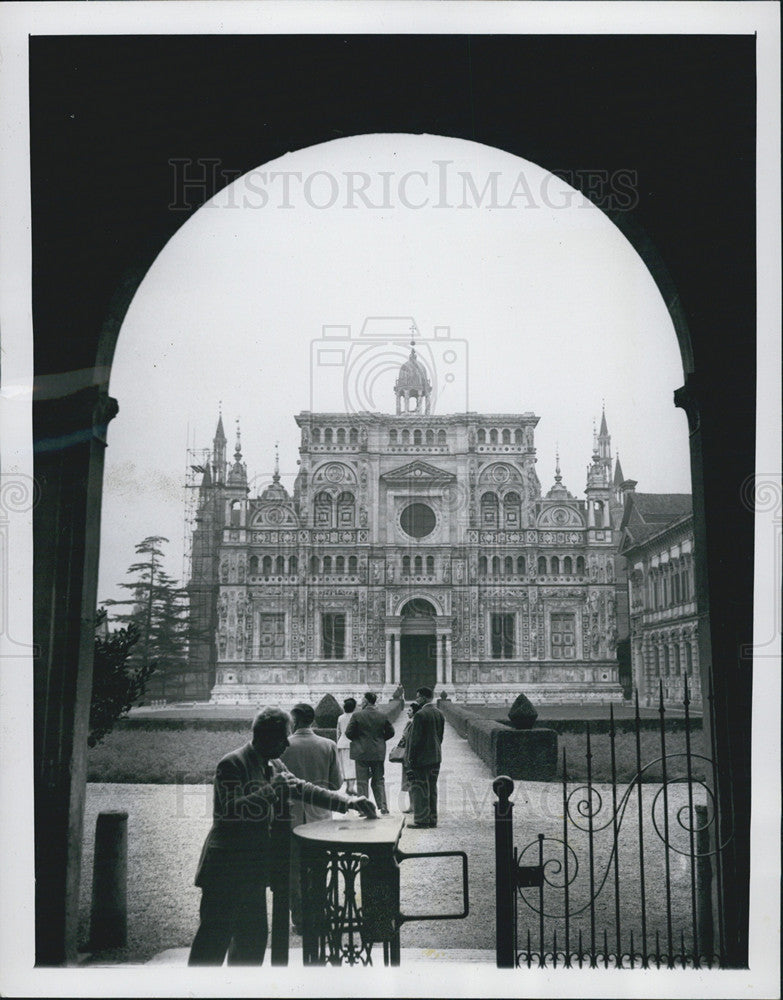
<point>276,475</point>
<point>604,432</point>
<point>558,491</point>
<point>220,434</point>
<point>595,441</point>
<point>238,448</point>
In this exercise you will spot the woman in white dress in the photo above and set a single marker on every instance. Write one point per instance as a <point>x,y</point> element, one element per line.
<point>347,765</point>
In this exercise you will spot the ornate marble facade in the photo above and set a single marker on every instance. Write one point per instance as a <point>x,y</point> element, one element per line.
<point>657,542</point>
<point>415,549</point>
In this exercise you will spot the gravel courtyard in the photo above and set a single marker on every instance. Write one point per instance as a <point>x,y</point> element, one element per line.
<point>167,825</point>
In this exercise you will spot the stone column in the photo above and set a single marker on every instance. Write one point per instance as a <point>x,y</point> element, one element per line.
<point>69,432</point>
<point>389,641</point>
<point>439,658</point>
<point>396,664</point>
<point>449,671</point>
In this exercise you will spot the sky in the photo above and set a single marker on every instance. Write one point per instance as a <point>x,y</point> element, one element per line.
<point>523,295</point>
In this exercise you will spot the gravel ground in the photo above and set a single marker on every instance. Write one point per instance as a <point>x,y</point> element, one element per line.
<point>167,825</point>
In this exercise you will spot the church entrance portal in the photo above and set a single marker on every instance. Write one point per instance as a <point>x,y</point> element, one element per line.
<point>417,647</point>
<point>417,663</point>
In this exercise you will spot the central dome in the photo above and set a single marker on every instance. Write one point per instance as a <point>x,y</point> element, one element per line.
<point>412,383</point>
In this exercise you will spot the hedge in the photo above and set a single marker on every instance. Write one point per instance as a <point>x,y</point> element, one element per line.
<point>529,754</point>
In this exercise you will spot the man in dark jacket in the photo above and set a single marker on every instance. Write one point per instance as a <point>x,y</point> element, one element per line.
<point>237,861</point>
<point>422,760</point>
<point>368,732</point>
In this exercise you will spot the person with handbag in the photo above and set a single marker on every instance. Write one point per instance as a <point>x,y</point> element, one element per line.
<point>397,756</point>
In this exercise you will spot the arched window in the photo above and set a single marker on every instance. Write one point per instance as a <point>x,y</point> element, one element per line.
<point>328,435</point>
<point>353,564</point>
<point>406,565</point>
<point>345,510</point>
<point>677,661</point>
<point>406,437</point>
<point>341,436</point>
<point>666,666</point>
<point>511,508</point>
<point>568,566</point>
<point>293,566</point>
<point>417,437</point>
<point>353,436</point>
<point>430,565</point>
<point>518,436</point>
<point>482,565</point>
<point>417,565</point>
<point>482,436</point>
<point>598,509</point>
<point>252,566</point>
<point>235,514</point>
<point>685,585</point>
<point>441,437</point>
<point>580,565</point>
<point>496,565</point>
<point>267,566</point>
<point>555,566</point>
<point>506,436</point>
<point>279,566</point>
<point>316,435</point>
<point>392,437</point>
<point>508,567</point>
<point>676,588</point>
<point>323,510</point>
<point>541,566</point>
<point>339,564</point>
<point>521,570</point>
<point>429,437</point>
<point>493,436</point>
<point>327,565</point>
<point>315,567</point>
<point>489,510</point>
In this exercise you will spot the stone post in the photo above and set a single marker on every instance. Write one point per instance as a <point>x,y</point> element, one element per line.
<point>109,911</point>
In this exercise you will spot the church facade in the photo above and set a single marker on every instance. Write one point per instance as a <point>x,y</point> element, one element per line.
<point>416,549</point>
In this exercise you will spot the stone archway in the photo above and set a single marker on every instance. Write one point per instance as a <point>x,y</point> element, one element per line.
<point>76,413</point>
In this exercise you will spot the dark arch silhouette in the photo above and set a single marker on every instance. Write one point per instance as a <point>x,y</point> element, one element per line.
<point>107,116</point>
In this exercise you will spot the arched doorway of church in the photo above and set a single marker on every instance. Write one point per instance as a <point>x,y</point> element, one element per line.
<point>418,659</point>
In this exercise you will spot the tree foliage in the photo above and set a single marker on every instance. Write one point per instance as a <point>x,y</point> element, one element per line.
<point>156,608</point>
<point>116,684</point>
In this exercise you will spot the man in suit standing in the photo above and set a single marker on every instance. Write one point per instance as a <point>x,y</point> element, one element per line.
<point>368,732</point>
<point>423,758</point>
<point>314,759</point>
<point>237,861</point>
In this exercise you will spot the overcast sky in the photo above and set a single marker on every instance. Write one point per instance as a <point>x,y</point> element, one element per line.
<point>548,308</point>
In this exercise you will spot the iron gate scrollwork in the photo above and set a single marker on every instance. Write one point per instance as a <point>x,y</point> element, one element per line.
<point>594,892</point>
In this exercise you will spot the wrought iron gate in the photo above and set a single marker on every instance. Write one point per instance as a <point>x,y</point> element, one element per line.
<point>624,876</point>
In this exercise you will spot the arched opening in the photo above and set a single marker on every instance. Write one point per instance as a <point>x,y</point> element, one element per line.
<point>418,653</point>
<point>679,324</point>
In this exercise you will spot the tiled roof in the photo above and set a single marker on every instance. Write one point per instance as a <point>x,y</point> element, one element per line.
<point>663,508</point>
<point>647,514</point>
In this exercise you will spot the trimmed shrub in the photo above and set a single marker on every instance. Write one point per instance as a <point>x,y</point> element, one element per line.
<point>327,712</point>
<point>522,714</point>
